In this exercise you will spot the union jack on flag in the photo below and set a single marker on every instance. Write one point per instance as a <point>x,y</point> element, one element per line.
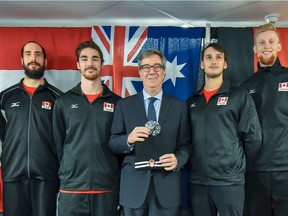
<point>122,45</point>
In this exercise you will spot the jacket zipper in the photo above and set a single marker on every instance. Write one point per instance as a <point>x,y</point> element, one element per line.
<point>28,137</point>
<point>91,146</point>
<point>206,146</point>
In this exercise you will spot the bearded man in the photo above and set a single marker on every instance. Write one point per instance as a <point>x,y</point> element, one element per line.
<point>267,179</point>
<point>29,158</point>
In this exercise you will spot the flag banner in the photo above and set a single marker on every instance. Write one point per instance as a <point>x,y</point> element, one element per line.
<point>60,45</point>
<point>122,45</point>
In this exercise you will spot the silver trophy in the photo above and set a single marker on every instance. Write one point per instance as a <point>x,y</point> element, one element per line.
<point>154,127</point>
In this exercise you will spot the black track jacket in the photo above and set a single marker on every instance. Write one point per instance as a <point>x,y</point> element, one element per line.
<point>269,89</point>
<point>2,127</point>
<point>28,150</point>
<point>225,134</point>
<point>82,131</point>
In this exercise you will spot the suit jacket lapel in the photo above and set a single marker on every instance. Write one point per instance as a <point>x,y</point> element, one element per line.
<point>164,109</point>
<point>140,107</point>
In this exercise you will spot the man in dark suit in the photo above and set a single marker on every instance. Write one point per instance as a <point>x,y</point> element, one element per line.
<point>154,186</point>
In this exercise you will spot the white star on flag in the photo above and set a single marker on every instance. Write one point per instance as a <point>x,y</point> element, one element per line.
<point>173,71</point>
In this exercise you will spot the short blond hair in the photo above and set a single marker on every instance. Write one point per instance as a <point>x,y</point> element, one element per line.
<point>266,27</point>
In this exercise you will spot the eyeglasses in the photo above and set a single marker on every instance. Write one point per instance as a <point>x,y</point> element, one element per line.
<point>156,68</point>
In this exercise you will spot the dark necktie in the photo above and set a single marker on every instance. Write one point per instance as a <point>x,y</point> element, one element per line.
<point>151,109</point>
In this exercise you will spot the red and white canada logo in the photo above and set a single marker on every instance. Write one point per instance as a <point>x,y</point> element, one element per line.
<point>46,105</point>
<point>283,86</point>
<point>151,163</point>
<point>108,107</point>
<point>222,101</point>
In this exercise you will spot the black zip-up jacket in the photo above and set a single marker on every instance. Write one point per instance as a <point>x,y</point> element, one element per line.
<point>225,134</point>
<point>2,127</point>
<point>28,150</point>
<point>269,89</point>
<point>82,131</point>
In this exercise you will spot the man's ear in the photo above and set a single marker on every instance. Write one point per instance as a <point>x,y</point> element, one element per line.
<point>279,47</point>
<point>255,49</point>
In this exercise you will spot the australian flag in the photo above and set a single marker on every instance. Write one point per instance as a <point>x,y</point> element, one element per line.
<point>121,46</point>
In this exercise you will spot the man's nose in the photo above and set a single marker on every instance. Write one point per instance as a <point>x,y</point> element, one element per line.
<point>33,57</point>
<point>152,71</point>
<point>89,61</point>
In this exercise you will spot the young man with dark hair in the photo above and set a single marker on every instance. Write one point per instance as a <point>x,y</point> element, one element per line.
<point>89,171</point>
<point>226,138</point>
<point>29,159</point>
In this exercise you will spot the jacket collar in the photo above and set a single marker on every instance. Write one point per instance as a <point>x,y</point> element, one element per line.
<point>271,69</point>
<point>106,91</point>
<point>223,88</point>
<point>20,84</point>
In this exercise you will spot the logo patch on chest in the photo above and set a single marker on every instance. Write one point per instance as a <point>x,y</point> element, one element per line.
<point>283,86</point>
<point>15,104</point>
<point>108,107</point>
<point>74,106</point>
<point>222,101</point>
<point>46,105</point>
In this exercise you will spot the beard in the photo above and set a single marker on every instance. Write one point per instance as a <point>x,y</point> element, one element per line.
<point>92,76</point>
<point>267,61</point>
<point>213,75</point>
<point>34,74</point>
